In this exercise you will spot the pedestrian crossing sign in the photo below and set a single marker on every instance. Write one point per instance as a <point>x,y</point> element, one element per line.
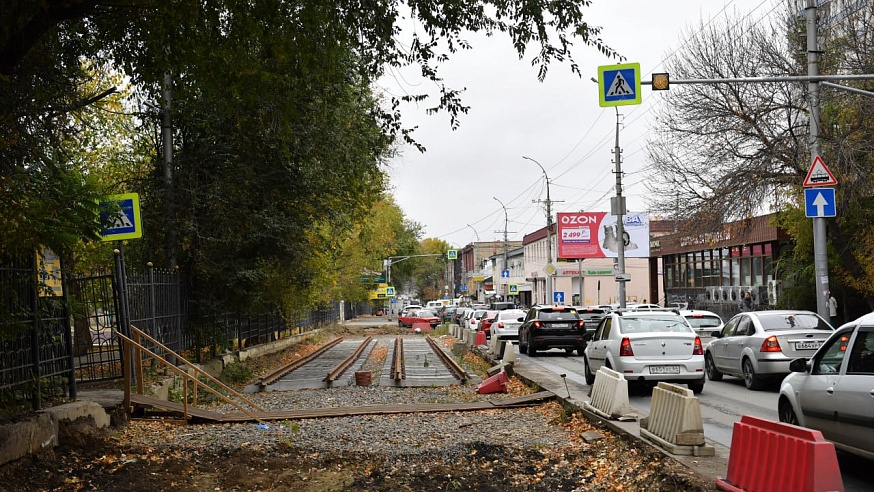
<point>619,85</point>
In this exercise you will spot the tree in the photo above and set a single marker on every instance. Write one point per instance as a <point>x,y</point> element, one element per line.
<point>279,139</point>
<point>729,151</point>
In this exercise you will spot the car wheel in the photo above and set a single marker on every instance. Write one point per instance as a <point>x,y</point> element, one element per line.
<point>523,347</point>
<point>713,373</point>
<point>696,387</point>
<point>785,412</point>
<point>532,352</point>
<point>400,324</point>
<point>569,351</point>
<point>752,381</point>
<point>590,378</point>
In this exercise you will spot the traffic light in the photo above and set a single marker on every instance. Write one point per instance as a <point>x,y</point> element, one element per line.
<point>661,81</point>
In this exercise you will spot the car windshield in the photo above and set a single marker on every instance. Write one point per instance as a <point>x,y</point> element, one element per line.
<point>424,313</point>
<point>510,315</point>
<point>792,321</point>
<point>704,321</point>
<point>558,315</point>
<point>654,324</point>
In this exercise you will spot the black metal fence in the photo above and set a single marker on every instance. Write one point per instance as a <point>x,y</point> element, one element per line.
<point>55,332</point>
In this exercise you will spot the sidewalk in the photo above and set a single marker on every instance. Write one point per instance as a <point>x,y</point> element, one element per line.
<point>576,393</point>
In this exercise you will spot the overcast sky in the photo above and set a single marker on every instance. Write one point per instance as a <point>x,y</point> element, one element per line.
<point>450,188</point>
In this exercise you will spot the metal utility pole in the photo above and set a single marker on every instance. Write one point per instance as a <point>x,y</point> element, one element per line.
<point>506,246</point>
<point>167,137</point>
<point>549,268</point>
<point>820,247</point>
<point>617,208</point>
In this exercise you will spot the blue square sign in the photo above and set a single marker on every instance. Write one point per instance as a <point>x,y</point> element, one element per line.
<point>558,297</point>
<point>819,202</point>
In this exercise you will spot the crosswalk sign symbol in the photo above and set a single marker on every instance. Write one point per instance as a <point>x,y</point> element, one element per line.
<point>619,85</point>
<point>513,289</point>
<point>120,217</point>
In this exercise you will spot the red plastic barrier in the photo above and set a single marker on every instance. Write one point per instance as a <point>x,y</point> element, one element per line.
<point>771,456</point>
<point>494,384</point>
<point>481,338</point>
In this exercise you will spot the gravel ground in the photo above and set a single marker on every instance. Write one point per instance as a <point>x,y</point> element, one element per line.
<point>528,449</point>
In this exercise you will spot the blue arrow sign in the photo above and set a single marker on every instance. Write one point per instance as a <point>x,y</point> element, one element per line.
<point>558,297</point>
<point>819,202</point>
<point>505,273</point>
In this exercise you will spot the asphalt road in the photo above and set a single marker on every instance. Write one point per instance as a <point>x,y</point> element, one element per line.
<point>722,404</point>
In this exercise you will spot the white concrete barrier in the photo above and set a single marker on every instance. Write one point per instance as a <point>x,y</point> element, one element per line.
<point>493,346</point>
<point>674,422</point>
<point>509,352</point>
<point>610,395</point>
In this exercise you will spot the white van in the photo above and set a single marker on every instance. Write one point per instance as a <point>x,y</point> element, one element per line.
<point>435,305</point>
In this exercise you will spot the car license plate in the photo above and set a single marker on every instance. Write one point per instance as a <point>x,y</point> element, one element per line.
<point>807,345</point>
<point>664,370</point>
<point>558,325</point>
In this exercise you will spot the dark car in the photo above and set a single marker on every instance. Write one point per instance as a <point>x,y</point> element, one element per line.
<point>547,327</point>
<point>592,315</point>
<point>447,314</point>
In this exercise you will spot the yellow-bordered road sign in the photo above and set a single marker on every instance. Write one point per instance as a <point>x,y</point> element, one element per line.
<point>619,85</point>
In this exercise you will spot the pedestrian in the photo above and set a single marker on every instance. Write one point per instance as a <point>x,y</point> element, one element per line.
<point>833,309</point>
<point>746,304</point>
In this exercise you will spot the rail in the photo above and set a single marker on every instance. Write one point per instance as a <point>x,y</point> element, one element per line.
<point>340,368</point>
<point>398,371</point>
<point>457,371</point>
<point>282,371</point>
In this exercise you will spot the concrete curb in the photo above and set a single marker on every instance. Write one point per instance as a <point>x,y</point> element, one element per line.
<point>573,394</point>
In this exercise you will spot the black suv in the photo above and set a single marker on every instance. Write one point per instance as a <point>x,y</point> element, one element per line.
<point>547,327</point>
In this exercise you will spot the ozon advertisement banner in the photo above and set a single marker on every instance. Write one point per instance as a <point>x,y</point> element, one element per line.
<point>594,235</point>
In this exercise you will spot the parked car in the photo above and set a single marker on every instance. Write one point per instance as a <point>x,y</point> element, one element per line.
<point>410,307</point>
<point>485,323</point>
<point>547,327</point>
<point>447,314</point>
<point>703,322</point>
<point>461,314</point>
<point>477,315</point>
<point>647,346</point>
<point>500,306</point>
<point>832,391</point>
<point>506,324</point>
<point>419,316</point>
<point>759,345</point>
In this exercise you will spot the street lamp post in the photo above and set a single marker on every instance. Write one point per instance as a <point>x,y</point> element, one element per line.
<point>548,233</point>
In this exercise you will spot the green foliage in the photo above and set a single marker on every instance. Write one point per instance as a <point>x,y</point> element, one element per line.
<point>237,373</point>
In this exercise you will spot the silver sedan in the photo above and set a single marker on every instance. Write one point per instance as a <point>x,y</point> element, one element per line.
<point>833,391</point>
<point>759,345</point>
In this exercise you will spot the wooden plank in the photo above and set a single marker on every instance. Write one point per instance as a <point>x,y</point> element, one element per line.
<point>326,412</point>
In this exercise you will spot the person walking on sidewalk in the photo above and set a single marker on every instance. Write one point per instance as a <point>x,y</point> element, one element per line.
<point>746,304</point>
<point>833,310</point>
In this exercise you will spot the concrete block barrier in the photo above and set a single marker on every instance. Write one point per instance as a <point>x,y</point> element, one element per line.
<point>508,354</point>
<point>768,456</point>
<point>610,395</point>
<point>493,346</point>
<point>674,422</point>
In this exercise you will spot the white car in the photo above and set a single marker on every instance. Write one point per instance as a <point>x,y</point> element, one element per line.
<point>647,346</point>
<point>705,323</point>
<point>477,315</point>
<point>832,392</point>
<point>506,324</point>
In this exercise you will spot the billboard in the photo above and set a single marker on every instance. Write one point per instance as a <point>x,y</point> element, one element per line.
<point>594,235</point>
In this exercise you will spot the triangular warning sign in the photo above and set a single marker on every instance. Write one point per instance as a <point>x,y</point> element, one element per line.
<point>819,174</point>
<point>620,87</point>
